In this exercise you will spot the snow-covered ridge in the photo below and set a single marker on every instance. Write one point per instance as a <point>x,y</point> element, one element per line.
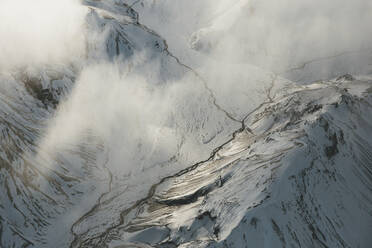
<point>46,186</point>
<point>126,145</point>
<point>300,177</point>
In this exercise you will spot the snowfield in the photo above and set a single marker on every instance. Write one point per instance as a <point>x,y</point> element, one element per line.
<point>169,129</point>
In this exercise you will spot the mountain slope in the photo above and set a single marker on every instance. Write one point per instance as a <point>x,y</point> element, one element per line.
<point>128,146</point>
<point>48,181</point>
<point>300,178</point>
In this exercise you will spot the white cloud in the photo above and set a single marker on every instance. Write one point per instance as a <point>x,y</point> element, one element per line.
<point>40,32</point>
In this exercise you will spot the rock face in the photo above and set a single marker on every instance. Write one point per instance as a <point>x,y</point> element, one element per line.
<point>291,168</point>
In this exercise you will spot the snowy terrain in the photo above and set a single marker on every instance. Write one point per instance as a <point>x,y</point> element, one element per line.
<point>185,124</point>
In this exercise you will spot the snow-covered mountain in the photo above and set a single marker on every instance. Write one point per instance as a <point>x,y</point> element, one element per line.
<point>155,133</point>
<point>299,177</point>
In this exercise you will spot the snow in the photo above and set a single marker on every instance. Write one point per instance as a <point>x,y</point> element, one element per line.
<point>129,146</point>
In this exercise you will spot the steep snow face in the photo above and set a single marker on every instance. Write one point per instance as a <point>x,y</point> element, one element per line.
<point>124,144</point>
<point>34,190</point>
<point>300,177</point>
<point>49,180</point>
